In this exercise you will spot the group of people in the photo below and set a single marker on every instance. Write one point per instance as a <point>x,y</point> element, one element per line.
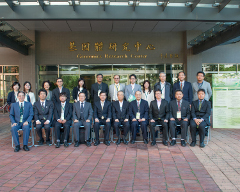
<point>131,108</point>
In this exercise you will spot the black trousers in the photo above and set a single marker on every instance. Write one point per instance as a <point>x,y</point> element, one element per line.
<point>201,128</point>
<point>66,128</point>
<point>117,127</point>
<point>164,127</point>
<point>87,127</point>
<point>134,127</point>
<point>107,127</point>
<point>184,127</point>
<point>47,130</point>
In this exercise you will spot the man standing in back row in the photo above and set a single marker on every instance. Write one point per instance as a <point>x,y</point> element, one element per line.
<point>114,88</point>
<point>97,88</point>
<point>131,89</point>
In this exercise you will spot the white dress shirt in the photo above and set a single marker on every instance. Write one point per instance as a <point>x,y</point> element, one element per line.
<point>163,89</point>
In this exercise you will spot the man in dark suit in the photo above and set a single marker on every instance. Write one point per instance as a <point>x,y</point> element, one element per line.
<point>43,114</point>
<point>120,111</point>
<point>184,86</point>
<point>179,115</point>
<point>58,90</point>
<point>159,115</point>
<point>97,88</point>
<point>138,112</point>
<point>21,115</point>
<point>82,116</point>
<point>164,86</point>
<point>200,111</point>
<point>102,116</point>
<point>62,118</point>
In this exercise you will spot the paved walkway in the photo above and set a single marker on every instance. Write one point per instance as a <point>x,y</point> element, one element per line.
<point>135,167</point>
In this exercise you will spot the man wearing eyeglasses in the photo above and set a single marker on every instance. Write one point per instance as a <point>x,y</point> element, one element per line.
<point>58,90</point>
<point>114,88</point>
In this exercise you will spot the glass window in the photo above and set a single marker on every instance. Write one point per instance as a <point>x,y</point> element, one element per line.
<point>209,67</point>
<point>132,67</point>
<point>153,78</point>
<point>1,69</point>
<point>172,71</point>
<point>228,67</point>
<point>11,69</point>
<point>9,80</point>
<point>1,91</point>
<point>51,78</point>
<point>68,68</point>
<point>159,68</point>
<point>48,68</point>
<point>99,67</point>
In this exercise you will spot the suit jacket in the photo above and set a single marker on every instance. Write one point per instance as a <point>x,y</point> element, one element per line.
<point>128,90</point>
<point>168,90</point>
<point>11,98</point>
<point>49,95</point>
<point>204,112</point>
<point>27,113</point>
<point>187,91</point>
<point>106,112</point>
<point>112,87</point>
<point>117,113</point>
<point>133,109</point>
<point>75,93</point>
<point>94,91</point>
<point>56,92</point>
<point>155,114</point>
<point>185,109</point>
<point>40,114</point>
<point>67,111</point>
<point>206,86</point>
<point>87,111</point>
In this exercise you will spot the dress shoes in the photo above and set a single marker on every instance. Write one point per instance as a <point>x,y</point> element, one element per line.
<point>165,143</point>
<point>40,142</point>
<point>183,143</point>
<point>25,148</point>
<point>107,143</point>
<point>132,141</point>
<point>193,144</point>
<point>47,142</point>
<point>153,143</point>
<point>17,148</point>
<point>118,141</point>
<point>88,143</point>
<point>57,145</point>
<point>173,142</point>
<point>76,144</point>
<point>202,145</point>
<point>97,143</point>
<point>145,141</point>
<point>125,141</point>
<point>66,144</point>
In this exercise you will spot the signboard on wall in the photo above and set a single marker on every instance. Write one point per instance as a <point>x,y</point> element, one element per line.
<point>226,100</point>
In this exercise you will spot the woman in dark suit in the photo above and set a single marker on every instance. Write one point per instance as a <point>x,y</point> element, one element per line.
<point>81,88</point>
<point>12,96</point>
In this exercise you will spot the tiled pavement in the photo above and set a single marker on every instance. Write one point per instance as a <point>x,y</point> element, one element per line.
<point>135,167</point>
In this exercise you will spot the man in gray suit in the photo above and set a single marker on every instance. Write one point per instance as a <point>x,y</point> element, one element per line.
<point>21,115</point>
<point>114,88</point>
<point>43,114</point>
<point>164,86</point>
<point>82,116</point>
<point>201,84</point>
<point>131,89</point>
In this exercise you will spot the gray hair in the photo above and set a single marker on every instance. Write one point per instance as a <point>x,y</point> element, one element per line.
<point>120,92</point>
<point>162,73</point>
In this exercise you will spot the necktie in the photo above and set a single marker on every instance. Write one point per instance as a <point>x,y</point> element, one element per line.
<point>138,106</point>
<point>102,105</point>
<point>117,87</point>
<point>62,108</point>
<point>21,110</point>
<point>81,108</point>
<point>181,86</point>
<point>42,106</point>
<point>200,105</point>
<point>179,109</point>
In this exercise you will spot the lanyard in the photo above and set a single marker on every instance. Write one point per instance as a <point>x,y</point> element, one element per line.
<point>200,85</point>
<point>138,105</point>
<point>161,86</point>
<point>63,108</point>
<point>146,94</point>
<point>117,86</point>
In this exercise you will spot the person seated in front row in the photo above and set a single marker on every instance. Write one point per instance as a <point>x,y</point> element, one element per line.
<point>62,118</point>
<point>102,116</point>
<point>43,113</point>
<point>82,116</point>
<point>179,115</point>
<point>21,115</point>
<point>159,115</point>
<point>138,112</point>
<point>200,111</point>
<point>120,110</point>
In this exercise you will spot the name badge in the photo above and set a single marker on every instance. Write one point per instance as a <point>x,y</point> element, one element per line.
<point>62,116</point>
<point>138,115</point>
<point>179,115</point>
<point>21,118</point>
<point>102,117</point>
<point>163,96</point>
<point>99,91</point>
